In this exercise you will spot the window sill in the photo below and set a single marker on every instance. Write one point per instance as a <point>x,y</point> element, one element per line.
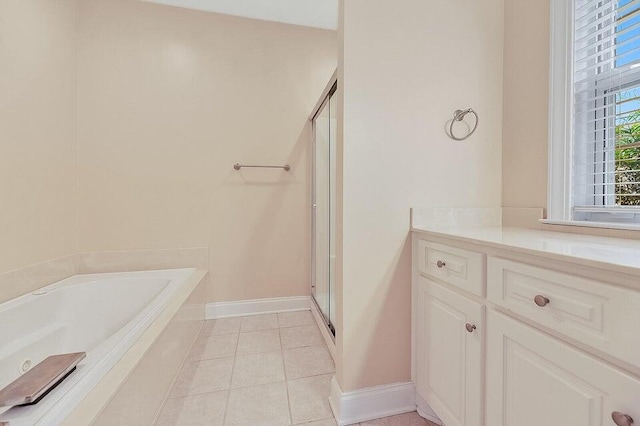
<point>587,224</point>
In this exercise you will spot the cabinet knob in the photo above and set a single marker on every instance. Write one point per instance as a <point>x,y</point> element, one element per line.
<point>541,301</point>
<point>470,327</point>
<point>440,264</point>
<point>621,419</point>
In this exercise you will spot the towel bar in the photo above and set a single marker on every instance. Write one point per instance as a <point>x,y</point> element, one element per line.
<point>239,166</point>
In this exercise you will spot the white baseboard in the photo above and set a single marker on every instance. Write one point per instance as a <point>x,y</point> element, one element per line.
<point>257,307</point>
<point>371,403</point>
<point>426,411</point>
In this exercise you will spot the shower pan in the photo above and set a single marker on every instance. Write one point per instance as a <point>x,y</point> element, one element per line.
<point>323,249</point>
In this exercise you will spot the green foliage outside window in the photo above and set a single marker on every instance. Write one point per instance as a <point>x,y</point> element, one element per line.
<point>628,160</point>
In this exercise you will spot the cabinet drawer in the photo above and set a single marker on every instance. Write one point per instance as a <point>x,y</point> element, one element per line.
<point>534,379</point>
<point>458,267</point>
<point>594,313</point>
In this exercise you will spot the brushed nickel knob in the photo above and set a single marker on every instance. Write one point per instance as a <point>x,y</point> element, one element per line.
<point>621,419</point>
<point>541,301</point>
<point>470,327</point>
<point>440,264</point>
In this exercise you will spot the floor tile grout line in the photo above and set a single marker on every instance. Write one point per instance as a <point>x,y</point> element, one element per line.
<point>197,393</point>
<point>330,412</point>
<point>222,334</point>
<point>215,357</point>
<point>295,325</point>
<point>259,384</point>
<point>184,362</point>
<point>251,386</point>
<point>194,361</point>
<point>229,389</point>
<point>260,330</point>
<point>245,354</point>
<point>213,333</point>
<point>286,381</point>
<point>200,393</point>
<point>257,316</point>
<point>233,366</point>
<point>260,352</point>
<point>310,377</point>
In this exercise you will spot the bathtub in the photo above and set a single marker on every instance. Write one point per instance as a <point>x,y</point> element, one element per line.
<point>100,314</point>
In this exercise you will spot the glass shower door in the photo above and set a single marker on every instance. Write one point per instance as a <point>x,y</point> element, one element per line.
<point>323,251</point>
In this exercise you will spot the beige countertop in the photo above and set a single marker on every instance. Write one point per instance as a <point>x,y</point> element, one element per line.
<point>616,254</point>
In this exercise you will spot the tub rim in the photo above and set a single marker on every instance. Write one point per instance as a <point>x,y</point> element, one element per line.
<point>91,406</point>
<point>93,390</point>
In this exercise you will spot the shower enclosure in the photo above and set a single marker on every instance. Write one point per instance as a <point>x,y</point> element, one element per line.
<point>323,208</point>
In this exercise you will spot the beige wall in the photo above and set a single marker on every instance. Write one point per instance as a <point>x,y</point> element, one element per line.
<point>526,97</point>
<point>405,67</point>
<point>170,99</point>
<point>38,144</point>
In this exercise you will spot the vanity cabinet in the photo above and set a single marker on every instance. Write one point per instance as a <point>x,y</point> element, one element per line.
<point>501,342</point>
<point>534,379</point>
<point>449,351</point>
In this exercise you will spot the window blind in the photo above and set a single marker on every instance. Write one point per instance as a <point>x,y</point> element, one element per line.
<point>606,108</point>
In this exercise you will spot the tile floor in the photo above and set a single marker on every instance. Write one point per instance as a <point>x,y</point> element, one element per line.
<point>259,371</point>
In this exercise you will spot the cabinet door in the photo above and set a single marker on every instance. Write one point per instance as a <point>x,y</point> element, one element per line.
<point>534,379</point>
<point>449,354</point>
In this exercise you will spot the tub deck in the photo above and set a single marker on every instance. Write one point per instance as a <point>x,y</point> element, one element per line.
<point>104,315</point>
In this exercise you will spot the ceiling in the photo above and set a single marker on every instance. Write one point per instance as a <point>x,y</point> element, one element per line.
<point>310,13</point>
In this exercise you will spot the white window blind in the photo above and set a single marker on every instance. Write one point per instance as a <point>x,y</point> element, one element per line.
<point>606,110</point>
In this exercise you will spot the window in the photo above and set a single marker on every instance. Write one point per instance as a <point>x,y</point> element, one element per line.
<point>595,111</point>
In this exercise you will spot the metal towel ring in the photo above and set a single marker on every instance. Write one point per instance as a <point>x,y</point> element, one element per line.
<point>459,116</point>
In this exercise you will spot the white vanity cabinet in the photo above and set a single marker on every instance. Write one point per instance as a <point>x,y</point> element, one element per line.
<point>450,337</point>
<point>534,379</point>
<point>543,347</point>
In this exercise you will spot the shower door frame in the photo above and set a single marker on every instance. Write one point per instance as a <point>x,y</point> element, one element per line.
<point>325,99</point>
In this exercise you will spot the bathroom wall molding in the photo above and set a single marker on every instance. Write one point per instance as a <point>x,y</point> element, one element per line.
<point>240,308</point>
<point>372,403</point>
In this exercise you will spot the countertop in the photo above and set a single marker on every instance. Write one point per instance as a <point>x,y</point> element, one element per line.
<point>616,254</point>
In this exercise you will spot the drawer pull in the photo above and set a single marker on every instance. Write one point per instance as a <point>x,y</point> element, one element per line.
<point>621,419</point>
<point>440,264</point>
<point>470,327</point>
<point>541,301</point>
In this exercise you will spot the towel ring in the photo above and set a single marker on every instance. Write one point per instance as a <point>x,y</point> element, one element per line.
<point>459,116</point>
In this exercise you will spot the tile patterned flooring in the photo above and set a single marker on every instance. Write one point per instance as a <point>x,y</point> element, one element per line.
<point>259,371</point>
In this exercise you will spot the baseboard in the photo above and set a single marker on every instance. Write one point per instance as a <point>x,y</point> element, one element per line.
<point>371,403</point>
<point>257,307</point>
<point>426,411</point>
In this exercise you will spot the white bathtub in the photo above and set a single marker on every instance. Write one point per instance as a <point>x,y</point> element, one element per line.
<point>100,314</point>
